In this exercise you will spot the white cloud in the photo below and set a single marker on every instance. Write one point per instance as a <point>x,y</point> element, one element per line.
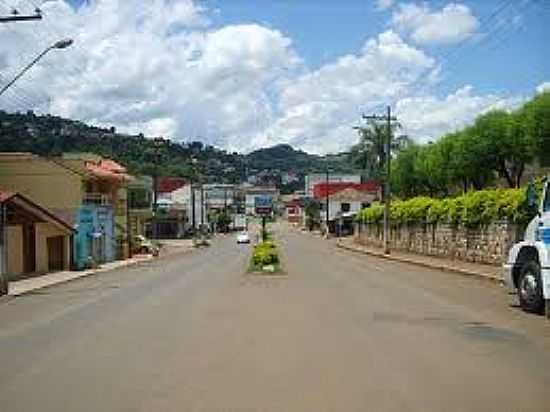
<point>384,4</point>
<point>543,87</point>
<point>427,117</point>
<point>318,109</point>
<point>153,67</point>
<point>453,23</point>
<point>158,67</point>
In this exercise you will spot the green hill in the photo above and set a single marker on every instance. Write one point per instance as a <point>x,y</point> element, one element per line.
<point>52,135</point>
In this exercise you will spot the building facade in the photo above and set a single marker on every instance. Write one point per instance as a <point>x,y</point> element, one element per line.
<point>84,190</point>
<point>344,201</point>
<point>33,240</point>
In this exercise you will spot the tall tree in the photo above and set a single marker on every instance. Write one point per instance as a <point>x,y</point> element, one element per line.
<point>369,153</point>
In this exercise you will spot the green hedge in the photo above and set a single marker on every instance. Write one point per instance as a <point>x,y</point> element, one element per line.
<point>471,209</point>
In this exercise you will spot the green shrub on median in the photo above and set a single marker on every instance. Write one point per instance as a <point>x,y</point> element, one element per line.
<point>264,254</point>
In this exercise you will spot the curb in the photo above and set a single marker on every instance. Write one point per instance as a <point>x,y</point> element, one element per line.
<point>444,267</point>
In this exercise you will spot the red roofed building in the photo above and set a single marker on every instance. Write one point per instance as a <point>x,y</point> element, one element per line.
<point>345,200</point>
<point>169,184</point>
<point>320,189</point>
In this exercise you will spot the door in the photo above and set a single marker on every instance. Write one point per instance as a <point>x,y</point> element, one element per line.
<point>56,255</point>
<point>29,248</point>
<point>545,216</point>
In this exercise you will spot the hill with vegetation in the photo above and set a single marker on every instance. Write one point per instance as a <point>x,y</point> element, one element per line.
<point>52,135</point>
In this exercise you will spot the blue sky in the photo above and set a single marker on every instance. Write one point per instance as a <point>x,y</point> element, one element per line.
<point>242,74</point>
<point>511,60</point>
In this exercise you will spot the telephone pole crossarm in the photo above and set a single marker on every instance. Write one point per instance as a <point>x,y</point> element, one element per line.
<point>16,17</point>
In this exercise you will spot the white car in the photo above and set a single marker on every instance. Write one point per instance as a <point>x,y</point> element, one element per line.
<point>243,237</point>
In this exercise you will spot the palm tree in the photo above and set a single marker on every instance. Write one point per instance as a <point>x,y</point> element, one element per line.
<point>369,153</point>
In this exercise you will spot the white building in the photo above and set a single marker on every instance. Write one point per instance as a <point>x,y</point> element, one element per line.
<point>184,197</point>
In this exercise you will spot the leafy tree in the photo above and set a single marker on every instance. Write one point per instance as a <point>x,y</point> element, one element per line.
<point>313,214</point>
<point>536,115</point>
<point>508,142</point>
<point>404,179</point>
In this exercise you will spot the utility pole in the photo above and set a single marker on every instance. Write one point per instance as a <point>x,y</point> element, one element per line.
<point>128,223</point>
<point>225,216</point>
<point>155,202</point>
<point>327,214</point>
<point>193,201</point>
<point>4,250</point>
<point>202,206</point>
<point>388,118</point>
<point>157,156</point>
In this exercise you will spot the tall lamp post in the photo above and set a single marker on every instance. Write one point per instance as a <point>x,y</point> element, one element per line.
<point>61,44</point>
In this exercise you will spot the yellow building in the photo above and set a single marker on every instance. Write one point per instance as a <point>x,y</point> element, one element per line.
<point>33,239</point>
<point>85,190</point>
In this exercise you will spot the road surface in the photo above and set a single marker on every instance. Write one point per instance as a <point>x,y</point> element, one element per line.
<point>339,332</point>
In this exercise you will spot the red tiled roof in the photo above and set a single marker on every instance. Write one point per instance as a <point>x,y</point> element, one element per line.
<point>320,189</point>
<point>108,169</point>
<point>169,184</point>
<point>5,196</point>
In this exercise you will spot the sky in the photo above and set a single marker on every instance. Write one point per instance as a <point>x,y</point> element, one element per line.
<point>244,74</point>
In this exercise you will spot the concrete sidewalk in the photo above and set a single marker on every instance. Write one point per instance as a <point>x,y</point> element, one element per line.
<point>483,271</point>
<point>21,287</point>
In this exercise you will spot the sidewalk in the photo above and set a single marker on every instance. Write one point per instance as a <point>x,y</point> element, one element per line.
<point>483,271</point>
<point>21,287</point>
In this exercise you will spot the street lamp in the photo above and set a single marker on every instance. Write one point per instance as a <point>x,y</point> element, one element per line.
<point>61,44</point>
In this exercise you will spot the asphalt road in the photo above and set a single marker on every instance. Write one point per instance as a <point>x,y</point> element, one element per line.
<point>339,332</point>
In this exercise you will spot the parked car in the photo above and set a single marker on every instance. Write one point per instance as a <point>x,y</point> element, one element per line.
<point>243,237</point>
<point>145,246</point>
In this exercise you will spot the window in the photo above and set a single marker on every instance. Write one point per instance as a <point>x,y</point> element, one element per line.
<point>345,207</point>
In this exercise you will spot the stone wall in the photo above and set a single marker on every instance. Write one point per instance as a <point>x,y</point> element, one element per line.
<point>488,244</point>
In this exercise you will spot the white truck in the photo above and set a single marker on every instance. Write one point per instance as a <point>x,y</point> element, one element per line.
<point>527,270</point>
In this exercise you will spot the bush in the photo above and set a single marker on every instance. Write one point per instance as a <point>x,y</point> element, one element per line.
<point>265,253</point>
<point>471,209</point>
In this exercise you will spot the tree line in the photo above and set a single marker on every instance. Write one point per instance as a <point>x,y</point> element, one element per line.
<point>495,150</point>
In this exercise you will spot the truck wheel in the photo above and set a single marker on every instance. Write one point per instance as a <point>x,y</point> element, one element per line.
<point>530,288</point>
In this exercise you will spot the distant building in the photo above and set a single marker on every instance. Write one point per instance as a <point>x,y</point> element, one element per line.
<point>344,201</point>
<point>289,177</point>
<point>140,203</point>
<point>171,214</point>
<point>313,179</point>
<point>293,208</point>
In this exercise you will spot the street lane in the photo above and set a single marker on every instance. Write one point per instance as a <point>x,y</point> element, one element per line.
<point>340,332</point>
